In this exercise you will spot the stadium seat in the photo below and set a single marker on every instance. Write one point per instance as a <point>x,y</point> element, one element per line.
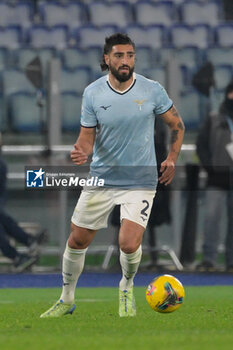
<point>15,80</point>
<point>198,35</point>
<point>118,13</point>
<point>90,35</point>
<point>25,55</point>
<point>157,74</point>
<point>73,58</point>
<point>163,55</point>
<point>94,56</point>
<point>5,10</point>
<point>112,1</point>
<point>179,2</point>
<point>24,112</point>
<point>71,111</point>
<point>144,58</point>
<point>218,55</point>
<point>75,79</point>
<point>129,1</point>
<point>23,15</point>
<point>72,14</point>
<point>20,14</point>
<point>150,13</point>
<point>189,108</point>
<point>3,58</point>
<point>197,12</point>
<point>10,37</point>
<point>223,75</point>
<point>176,2</point>
<point>42,37</point>
<point>224,35</point>
<point>188,56</point>
<point>152,36</point>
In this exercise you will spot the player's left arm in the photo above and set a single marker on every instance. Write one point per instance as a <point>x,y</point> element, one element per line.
<point>176,125</point>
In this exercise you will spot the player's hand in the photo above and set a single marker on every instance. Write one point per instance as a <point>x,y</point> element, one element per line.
<point>78,156</point>
<point>168,172</point>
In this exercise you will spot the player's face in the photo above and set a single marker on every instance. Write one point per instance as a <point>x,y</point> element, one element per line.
<point>121,62</point>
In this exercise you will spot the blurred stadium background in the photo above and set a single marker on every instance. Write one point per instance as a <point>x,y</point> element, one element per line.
<point>174,39</point>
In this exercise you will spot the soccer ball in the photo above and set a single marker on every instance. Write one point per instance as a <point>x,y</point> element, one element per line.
<point>165,294</point>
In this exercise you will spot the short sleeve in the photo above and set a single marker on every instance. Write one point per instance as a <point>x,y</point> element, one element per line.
<point>163,102</point>
<point>88,117</point>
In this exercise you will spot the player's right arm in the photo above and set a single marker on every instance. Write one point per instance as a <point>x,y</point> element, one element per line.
<point>83,146</point>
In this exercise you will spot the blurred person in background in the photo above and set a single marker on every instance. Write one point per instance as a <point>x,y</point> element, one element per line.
<point>215,151</point>
<point>160,211</point>
<point>117,126</point>
<point>228,9</point>
<point>9,228</point>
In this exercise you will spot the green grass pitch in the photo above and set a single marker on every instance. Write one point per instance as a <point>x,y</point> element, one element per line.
<point>204,321</point>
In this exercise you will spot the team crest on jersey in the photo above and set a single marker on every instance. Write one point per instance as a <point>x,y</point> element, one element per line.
<point>140,103</point>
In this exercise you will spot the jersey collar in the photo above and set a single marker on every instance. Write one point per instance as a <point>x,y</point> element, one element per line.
<point>125,91</point>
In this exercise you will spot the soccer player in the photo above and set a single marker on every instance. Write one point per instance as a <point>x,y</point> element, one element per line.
<point>117,127</point>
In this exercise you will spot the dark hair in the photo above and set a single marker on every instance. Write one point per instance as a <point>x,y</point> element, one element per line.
<point>115,39</point>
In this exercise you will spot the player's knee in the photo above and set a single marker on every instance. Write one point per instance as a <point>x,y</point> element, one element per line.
<point>76,243</point>
<point>129,247</point>
<point>80,238</point>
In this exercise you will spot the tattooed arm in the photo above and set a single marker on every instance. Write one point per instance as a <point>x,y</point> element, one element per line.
<point>176,125</point>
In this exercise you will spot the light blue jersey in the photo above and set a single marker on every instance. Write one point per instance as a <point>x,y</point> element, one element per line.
<point>124,154</point>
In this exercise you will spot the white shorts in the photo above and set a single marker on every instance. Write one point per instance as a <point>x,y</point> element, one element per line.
<point>94,207</point>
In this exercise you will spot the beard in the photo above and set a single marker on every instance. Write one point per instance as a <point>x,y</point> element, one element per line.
<point>121,77</point>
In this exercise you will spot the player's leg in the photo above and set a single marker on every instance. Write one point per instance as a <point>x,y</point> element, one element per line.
<point>72,267</point>
<point>73,260</point>
<point>90,214</point>
<point>135,212</point>
<point>130,238</point>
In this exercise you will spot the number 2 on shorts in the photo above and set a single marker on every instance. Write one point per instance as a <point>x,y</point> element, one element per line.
<point>143,211</point>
